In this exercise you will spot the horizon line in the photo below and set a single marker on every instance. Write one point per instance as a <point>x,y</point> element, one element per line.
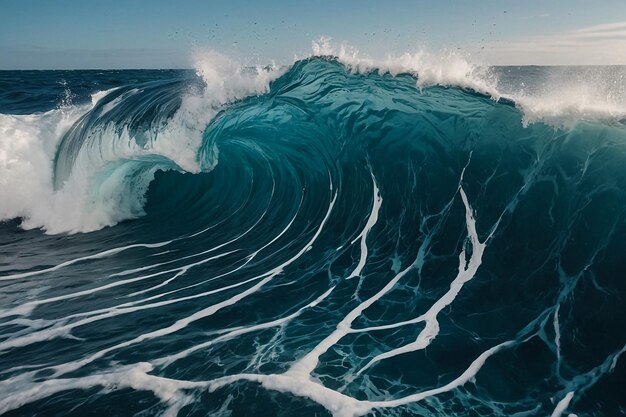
<point>194,69</point>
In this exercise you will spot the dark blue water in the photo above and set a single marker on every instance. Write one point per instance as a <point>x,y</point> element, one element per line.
<point>341,243</point>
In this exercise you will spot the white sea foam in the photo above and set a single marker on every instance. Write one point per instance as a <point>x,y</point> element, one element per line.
<point>134,376</point>
<point>27,145</point>
<point>562,405</point>
<point>572,94</point>
<point>445,68</point>
<point>566,96</point>
<point>371,221</point>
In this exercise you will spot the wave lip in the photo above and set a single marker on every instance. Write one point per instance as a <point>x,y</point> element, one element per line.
<point>445,69</point>
<point>562,97</point>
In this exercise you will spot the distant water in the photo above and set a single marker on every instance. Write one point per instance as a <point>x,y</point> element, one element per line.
<point>421,237</point>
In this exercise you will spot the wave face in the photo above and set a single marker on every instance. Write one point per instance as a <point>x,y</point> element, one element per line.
<point>323,239</point>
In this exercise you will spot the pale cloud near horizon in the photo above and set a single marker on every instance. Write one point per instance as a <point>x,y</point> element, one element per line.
<point>603,44</point>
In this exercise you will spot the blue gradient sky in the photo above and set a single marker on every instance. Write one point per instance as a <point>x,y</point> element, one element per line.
<point>37,34</point>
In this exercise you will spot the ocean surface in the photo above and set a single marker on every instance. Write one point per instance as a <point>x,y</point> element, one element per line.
<point>345,237</point>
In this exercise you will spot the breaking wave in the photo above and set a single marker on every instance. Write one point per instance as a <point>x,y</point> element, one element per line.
<point>342,235</point>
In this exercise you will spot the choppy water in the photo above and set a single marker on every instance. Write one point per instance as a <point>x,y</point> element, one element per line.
<point>313,240</point>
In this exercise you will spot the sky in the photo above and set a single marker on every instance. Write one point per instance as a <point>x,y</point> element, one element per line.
<point>79,34</point>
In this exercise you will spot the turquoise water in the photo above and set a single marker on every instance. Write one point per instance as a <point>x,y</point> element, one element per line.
<point>339,243</point>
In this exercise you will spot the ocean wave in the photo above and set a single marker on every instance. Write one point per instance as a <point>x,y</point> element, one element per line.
<point>336,236</point>
<point>104,155</point>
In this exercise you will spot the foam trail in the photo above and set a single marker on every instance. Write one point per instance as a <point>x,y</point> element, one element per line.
<point>28,307</point>
<point>562,405</point>
<point>135,377</point>
<point>557,334</point>
<point>100,255</point>
<point>233,333</point>
<point>340,405</point>
<point>371,221</point>
<point>467,270</point>
<point>465,377</point>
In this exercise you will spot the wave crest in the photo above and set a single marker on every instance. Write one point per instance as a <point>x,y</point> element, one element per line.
<point>81,168</point>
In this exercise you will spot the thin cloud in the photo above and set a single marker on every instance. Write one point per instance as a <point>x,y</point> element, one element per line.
<point>604,28</point>
<point>603,44</point>
<point>534,17</point>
